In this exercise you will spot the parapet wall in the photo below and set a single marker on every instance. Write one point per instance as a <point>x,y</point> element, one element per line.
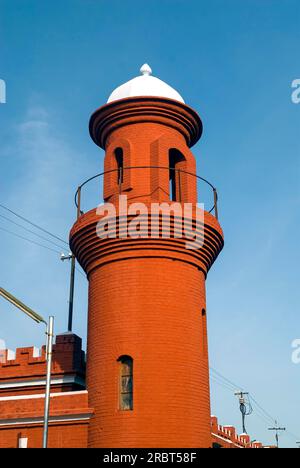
<point>227,437</point>
<point>28,365</point>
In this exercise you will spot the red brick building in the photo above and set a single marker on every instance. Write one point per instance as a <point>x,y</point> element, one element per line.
<point>22,392</point>
<point>147,352</point>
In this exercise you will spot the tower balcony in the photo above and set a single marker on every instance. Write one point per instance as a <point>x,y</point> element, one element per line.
<point>172,182</point>
<point>179,229</point>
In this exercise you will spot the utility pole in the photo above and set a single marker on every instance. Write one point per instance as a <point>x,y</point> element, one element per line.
<point>71,257</point>
<point>49,348</point>
<point>49,333</point>
<point>245,407</point>
<point>277,429</point>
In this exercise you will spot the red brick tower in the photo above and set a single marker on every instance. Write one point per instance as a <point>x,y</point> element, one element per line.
<point>147,364</point>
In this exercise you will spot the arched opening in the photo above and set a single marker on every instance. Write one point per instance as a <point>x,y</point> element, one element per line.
<point>175,157</point>
<point>120,164</point>
<point>125,383</point>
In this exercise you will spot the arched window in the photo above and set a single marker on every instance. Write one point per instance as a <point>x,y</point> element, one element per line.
<point>120,164</point>
<point>175,157</point>
<point>125,383</point>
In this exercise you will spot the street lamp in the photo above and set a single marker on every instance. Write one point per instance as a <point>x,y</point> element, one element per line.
<point>49,332</point>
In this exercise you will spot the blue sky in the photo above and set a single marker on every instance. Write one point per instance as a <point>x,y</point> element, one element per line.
<point>234,62</point>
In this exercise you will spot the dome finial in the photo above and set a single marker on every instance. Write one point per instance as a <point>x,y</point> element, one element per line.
<point>145,69</point>
<point>145,85</point>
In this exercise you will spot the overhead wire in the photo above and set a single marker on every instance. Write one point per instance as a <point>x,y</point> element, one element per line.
<point>258,409</point>
<point>34,242</point>
<point>216,376</point>
<point>32,224</point>
<point>31,232</point>
<point>222,384</point>
<point>28,240</point>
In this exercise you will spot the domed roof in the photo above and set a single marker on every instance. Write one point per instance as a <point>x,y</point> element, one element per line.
<point>145,85</point>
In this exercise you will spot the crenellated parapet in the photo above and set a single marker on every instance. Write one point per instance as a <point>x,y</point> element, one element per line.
<point>227,437</point>
<point>24,369</point>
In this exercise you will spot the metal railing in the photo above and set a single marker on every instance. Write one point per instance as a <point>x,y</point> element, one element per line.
<point>121,172</point>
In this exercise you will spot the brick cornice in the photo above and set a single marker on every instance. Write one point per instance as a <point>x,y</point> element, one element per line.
<point>128,111</point>
<point>92,252</point>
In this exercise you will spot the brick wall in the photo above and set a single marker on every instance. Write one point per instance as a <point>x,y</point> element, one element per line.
<point>22,388</point>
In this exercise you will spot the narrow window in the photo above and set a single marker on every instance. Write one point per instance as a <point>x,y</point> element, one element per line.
<point>120,164</point>
<point>125,383</point>
<point>175,157</point>
<point>204,332</point>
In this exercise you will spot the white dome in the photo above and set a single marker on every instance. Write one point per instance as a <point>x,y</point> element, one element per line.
<point>145,85</point>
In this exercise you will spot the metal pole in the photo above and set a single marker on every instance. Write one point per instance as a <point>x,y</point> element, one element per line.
<point>49,333</point>
<point>243,408</point>
<point>71,297</point>
<point>79,203</point>
<point>216,203</point>
<point>179,184</point>
<point>277,429</point>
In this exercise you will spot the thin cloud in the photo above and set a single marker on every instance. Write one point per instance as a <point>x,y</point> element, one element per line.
<point>44,194</point>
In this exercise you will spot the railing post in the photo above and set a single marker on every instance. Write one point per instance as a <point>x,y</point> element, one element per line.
<point>216,203</point>
<point>120,173</point>
<point>179,185</point>
<point>79,202</point>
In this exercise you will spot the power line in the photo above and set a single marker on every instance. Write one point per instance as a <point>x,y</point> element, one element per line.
<point>259,411</point>
<point>224,381</point>
<point>232,384</point>
<point>28,240</point>
<point>30,231</point>
<point>262,409</point>
<point>79,271</point>
<point>38,244</point>
<point>219,379</point>
<point>235,386</point>
<point>261,416</point>
<point>222,384</point>
<point>292,436</point>
<point>33,224</point>
<point>71,256</point>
